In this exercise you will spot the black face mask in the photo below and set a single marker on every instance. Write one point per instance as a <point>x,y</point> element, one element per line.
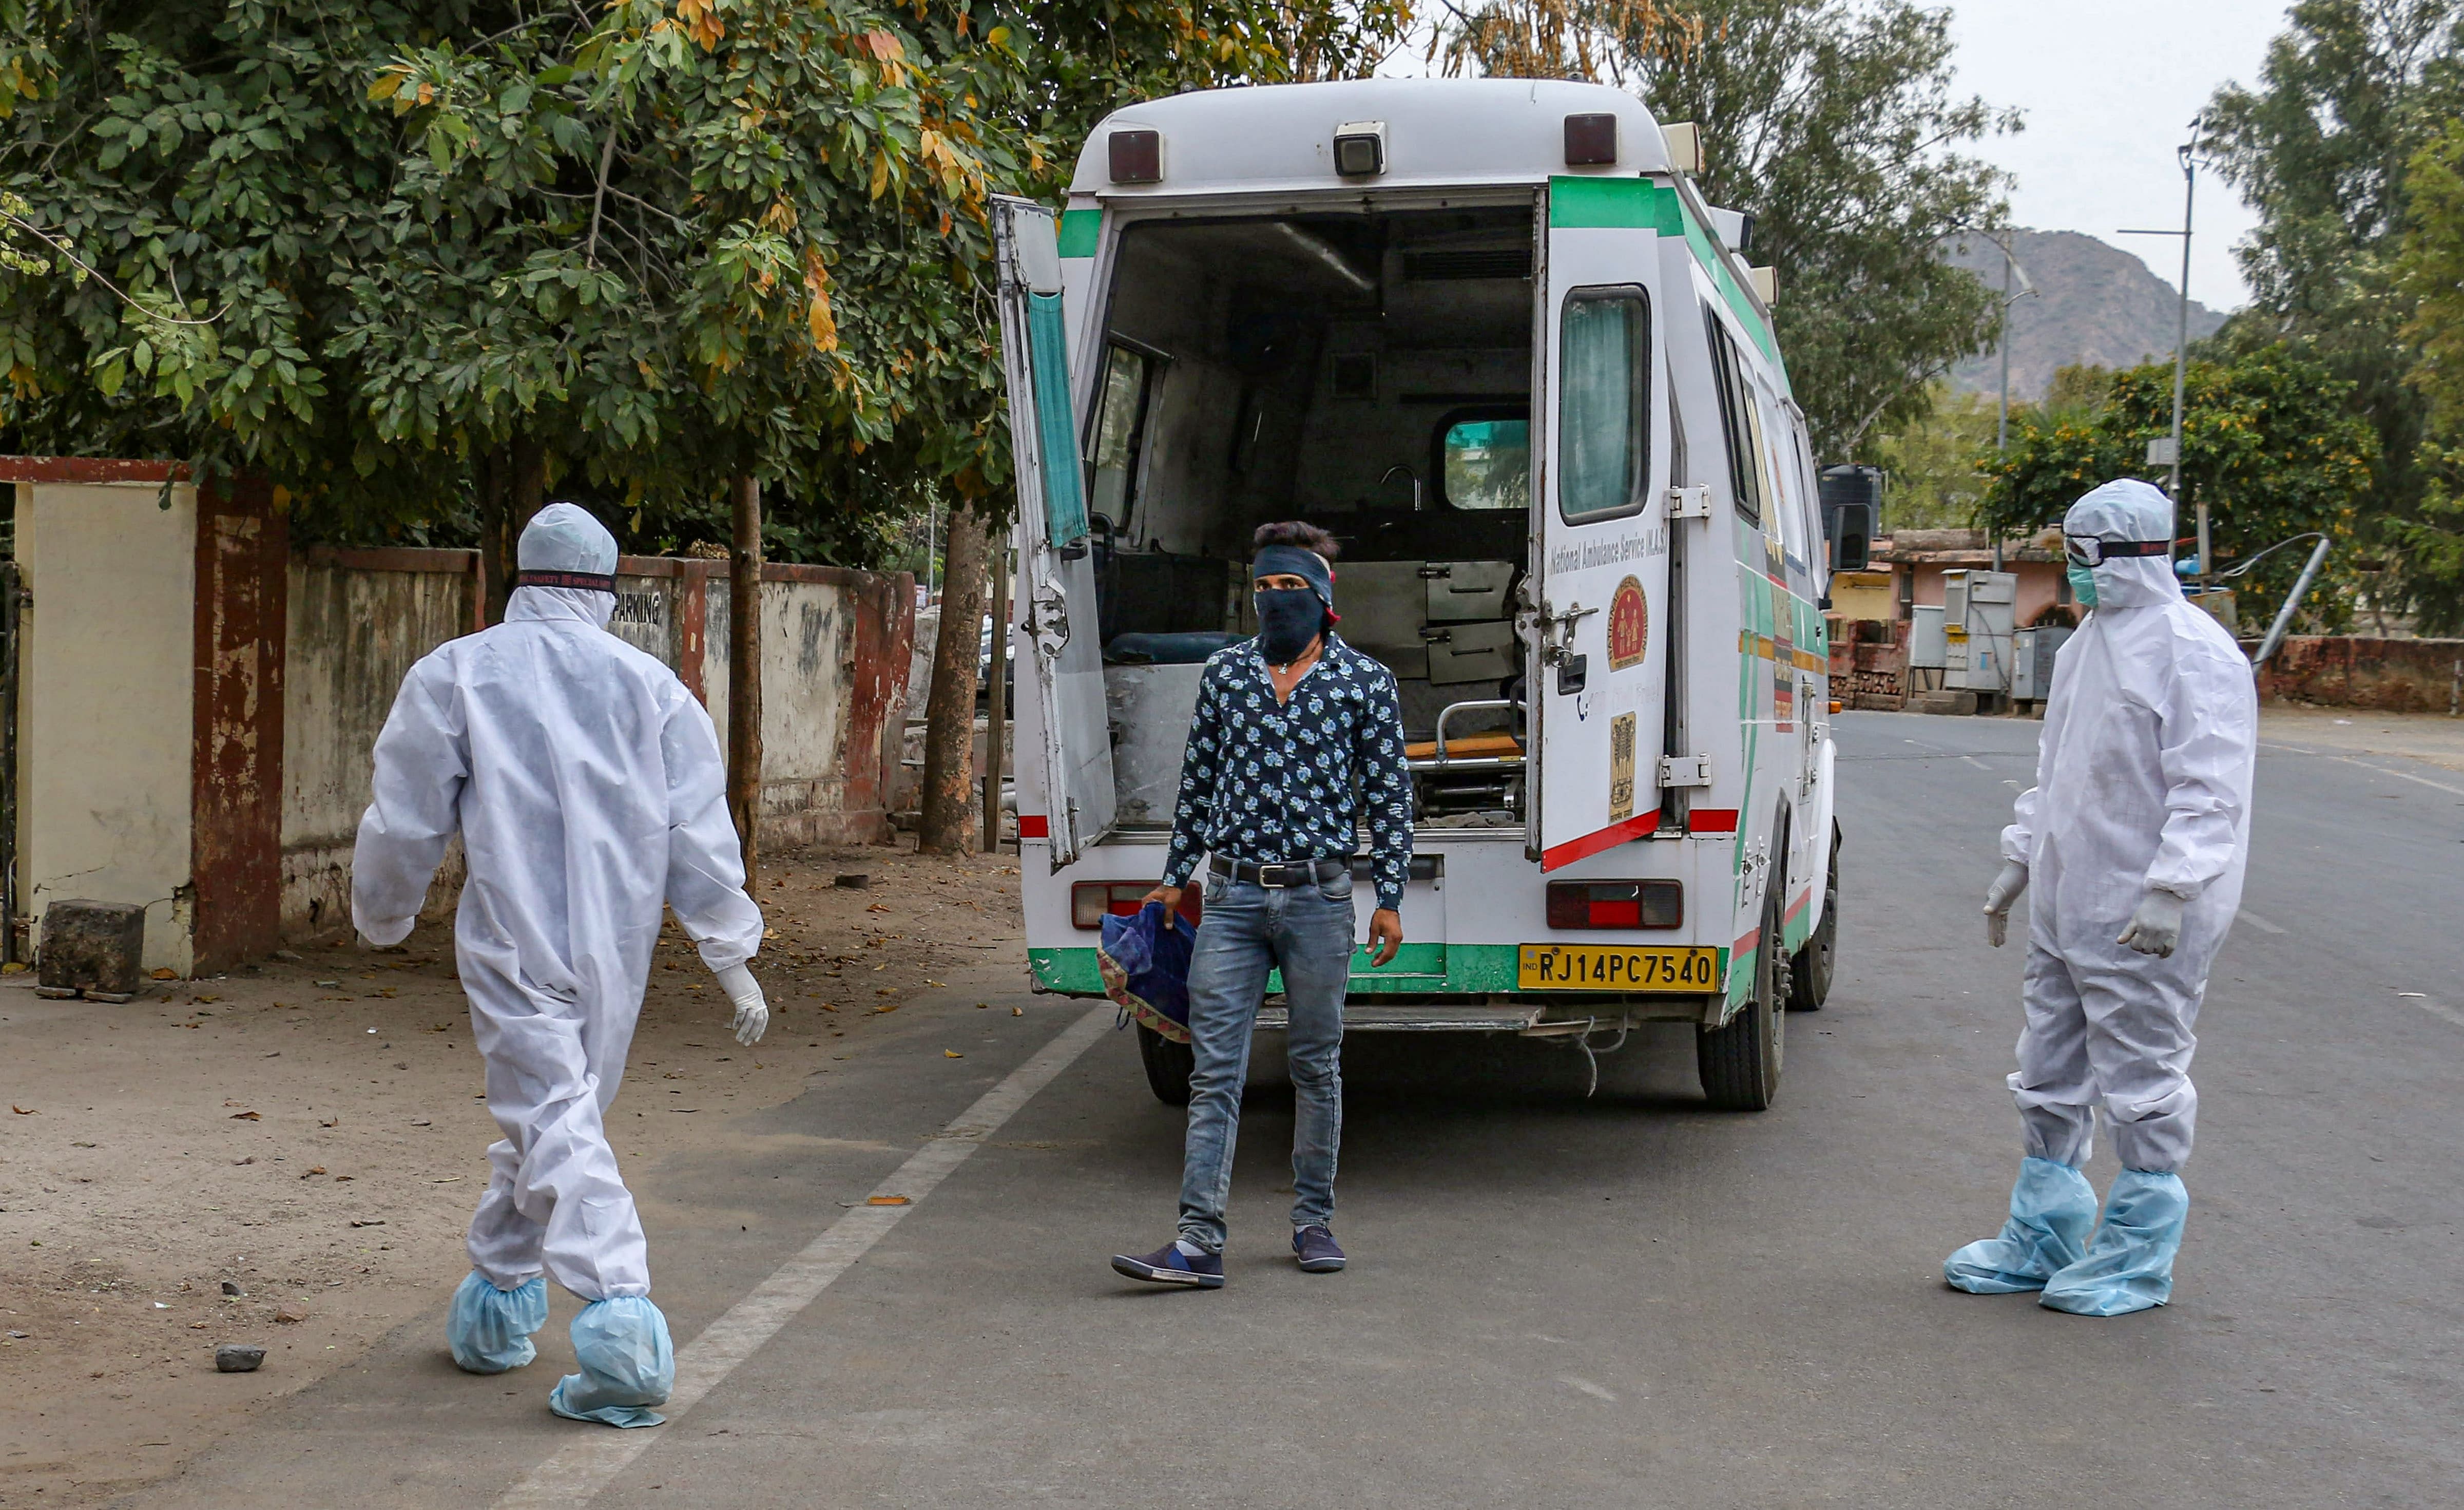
<point>1289,618</point>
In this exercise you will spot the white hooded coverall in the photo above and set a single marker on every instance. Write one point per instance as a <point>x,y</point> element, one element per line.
<point>2143,782</point>
<point>586,786</point>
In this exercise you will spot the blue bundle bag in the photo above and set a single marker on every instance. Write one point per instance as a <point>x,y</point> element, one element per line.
<point>1144,960</point>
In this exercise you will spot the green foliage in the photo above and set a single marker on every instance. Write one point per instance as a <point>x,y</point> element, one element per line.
<point>2431,271</point>
<point>440,255</point>
<point>2349,92</point>
<point>1931,462</point>
<point>1833,124</point>
<point>2268,440</point>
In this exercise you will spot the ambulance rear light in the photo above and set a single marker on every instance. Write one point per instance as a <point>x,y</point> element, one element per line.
<point>1616,904</point>
<point>1091,902</point>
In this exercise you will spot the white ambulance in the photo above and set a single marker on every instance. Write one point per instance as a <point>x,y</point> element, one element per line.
<point>1488,335</point>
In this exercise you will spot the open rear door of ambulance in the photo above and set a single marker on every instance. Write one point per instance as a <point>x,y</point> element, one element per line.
<point>1059,572</point>
<point>1599,695</point>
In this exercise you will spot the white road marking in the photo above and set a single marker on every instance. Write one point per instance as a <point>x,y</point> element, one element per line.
<point>2401,775</point>
<point>2256,921</point>
<point>2435,1009</point>
<point>579,1472</point>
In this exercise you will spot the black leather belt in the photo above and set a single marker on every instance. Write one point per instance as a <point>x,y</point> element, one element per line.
<point>1288,872</point>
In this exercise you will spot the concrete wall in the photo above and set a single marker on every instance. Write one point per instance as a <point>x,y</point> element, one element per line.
<point>836,648</point>
<point>359,620</point>
<point>2392,675</point>
<point>107,710</point>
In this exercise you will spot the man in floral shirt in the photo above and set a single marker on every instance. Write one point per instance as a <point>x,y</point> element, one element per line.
<point>1297,742</point>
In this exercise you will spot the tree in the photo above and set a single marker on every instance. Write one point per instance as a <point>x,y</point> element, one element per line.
<point>1834,124</point>
<point>2349,92</point>
<point>1931,462</point>
<point>2431,274</point>
<point>2268,440</point>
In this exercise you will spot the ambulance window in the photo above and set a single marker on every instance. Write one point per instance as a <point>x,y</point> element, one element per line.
<point>1484,459</point>
<point>1120,424</point>
<point>1603,403</point>
<point>1736,427</point>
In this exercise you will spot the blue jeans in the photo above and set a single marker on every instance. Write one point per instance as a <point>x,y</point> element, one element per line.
<point>1247,930</point>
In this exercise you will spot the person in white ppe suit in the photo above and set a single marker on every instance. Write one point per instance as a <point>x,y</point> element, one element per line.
<point>2134,838</point>
<point>585,783</point>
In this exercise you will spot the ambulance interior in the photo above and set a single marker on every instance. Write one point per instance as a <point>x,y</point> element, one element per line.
<point>1370,375</point>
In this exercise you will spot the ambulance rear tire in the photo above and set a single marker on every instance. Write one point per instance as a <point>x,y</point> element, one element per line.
<point>1168,1065</point>
<point>1739,1064</point>
<point>1810,971</point>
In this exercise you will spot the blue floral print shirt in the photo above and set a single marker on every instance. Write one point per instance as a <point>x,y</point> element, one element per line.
<point>1269,782</point>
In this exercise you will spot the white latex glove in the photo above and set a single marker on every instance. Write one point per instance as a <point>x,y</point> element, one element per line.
<point>1999,897</point>
<point>752,1012</point>
<point>2156,927</point>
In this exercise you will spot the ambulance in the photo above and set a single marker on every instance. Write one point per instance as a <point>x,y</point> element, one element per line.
<point>1489,335</point>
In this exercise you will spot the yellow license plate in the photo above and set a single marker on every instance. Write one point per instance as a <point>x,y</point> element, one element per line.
<point>1617,968</point>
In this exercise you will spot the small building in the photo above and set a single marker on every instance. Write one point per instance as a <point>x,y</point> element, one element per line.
<point>1917,558</point>
<point>1869,609</point>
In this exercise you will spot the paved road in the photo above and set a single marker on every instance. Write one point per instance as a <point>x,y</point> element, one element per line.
<point>1621,1301</point>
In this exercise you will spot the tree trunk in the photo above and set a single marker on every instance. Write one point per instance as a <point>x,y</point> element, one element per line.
<point>996,701</point>
<point>512,486</point>
<point>949,708</point>
<point>745,673</point>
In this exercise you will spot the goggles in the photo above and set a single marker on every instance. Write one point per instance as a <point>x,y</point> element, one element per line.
<point>2086,552</point>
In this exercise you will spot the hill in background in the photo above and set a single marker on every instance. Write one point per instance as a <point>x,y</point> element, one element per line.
<point>2094,304</point>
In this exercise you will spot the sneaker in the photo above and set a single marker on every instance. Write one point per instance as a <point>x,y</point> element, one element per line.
<point>1314,1246</point>
<point>1169,1265</point>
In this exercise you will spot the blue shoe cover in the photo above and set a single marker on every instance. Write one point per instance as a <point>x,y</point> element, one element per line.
<point>2130,1266</point>
<point>627,1364</point>
<point>490,1330</point>
<point>2053,1209</point>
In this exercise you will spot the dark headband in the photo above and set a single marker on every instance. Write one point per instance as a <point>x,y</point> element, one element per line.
<point>1274,561</point>
<point>587,581</point>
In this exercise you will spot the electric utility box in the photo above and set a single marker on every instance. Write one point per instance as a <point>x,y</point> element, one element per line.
<point>1979,615</point>
<point>2031,662</point>
<point>1926,649</point>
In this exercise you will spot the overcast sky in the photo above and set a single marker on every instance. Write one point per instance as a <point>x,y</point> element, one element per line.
<point>2109,87</point>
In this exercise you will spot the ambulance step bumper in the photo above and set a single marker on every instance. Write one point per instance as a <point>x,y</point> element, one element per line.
<point>1416,1018</point>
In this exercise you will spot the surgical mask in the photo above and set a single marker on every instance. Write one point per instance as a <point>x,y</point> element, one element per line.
<point>2084,585</point>
<point>1289,618</point>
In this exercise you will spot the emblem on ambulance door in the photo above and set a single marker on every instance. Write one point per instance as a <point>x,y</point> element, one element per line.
<point>1621,767</point>
<point>1629,624</point>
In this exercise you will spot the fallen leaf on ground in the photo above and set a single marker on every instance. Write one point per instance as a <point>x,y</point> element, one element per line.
<point>319,1169</point>
<point>451,1179</point>
<point>377,1221</point>
<point>879,907</point>
<point>166,973</point>
<point>23,1111</point>
<point>246,1116</point>
<point>885,1200</point>
<point>951,1054</point>
<point>1018,1011</point>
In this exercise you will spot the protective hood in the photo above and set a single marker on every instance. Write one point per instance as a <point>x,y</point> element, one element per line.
<point>563,537</point>
<point>2123,510</point>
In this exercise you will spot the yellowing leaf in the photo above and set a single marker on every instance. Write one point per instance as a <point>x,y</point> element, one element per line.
<point>819,317</point>
<point>387,85</point>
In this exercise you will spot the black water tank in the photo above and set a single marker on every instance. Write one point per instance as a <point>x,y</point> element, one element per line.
<point>1852,514</point>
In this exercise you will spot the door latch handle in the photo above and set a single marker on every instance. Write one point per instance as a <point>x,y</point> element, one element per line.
<point>1685,771</point>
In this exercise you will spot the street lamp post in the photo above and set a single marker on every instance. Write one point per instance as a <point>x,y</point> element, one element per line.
<point>2182,347</point>
<point>2002,416</point>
